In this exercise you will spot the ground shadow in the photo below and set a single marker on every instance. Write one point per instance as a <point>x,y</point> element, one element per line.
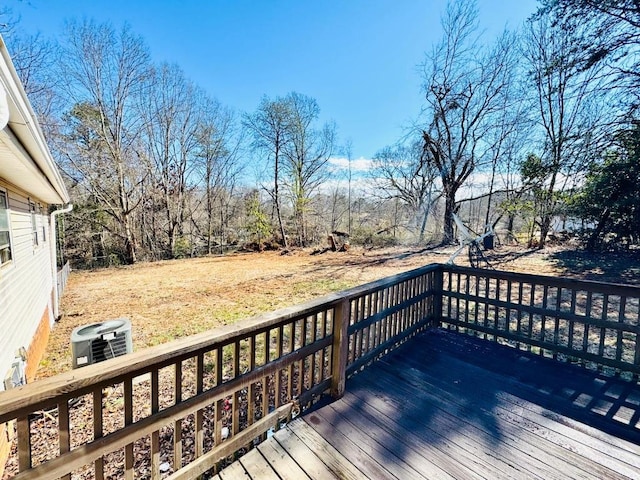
<point>615,267</point>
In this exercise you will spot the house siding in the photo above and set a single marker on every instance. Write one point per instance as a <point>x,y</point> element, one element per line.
<point>25,288</point>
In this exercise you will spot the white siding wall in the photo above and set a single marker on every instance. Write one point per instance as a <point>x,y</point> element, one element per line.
<point>25,284</point>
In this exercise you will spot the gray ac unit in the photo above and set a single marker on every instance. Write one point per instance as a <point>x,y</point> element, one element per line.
<point>101,341</point>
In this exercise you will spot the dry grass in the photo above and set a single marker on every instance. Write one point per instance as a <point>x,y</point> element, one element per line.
<point>172,299</point>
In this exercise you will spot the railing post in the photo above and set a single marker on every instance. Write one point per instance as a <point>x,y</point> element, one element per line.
<point>437,301</point>
<point>340,348</point>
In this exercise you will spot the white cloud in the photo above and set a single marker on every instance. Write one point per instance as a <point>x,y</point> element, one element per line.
<point>357,165</point>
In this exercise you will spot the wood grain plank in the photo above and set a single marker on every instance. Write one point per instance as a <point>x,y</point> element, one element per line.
<point>281,462</point>
<point>469,444</point>
<point>235,471</point>
<point>257,467</point>
<point>361,448</point>
<point>311,464</point>
<point>535,421</point>
<point>331,457</point>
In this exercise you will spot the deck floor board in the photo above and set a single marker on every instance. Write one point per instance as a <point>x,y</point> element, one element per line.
<point>447,406</point>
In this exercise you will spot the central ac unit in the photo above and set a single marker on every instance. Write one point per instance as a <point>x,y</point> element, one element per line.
<point>101,341</point>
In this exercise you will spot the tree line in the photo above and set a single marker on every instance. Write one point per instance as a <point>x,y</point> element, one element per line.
<point>537,127</point>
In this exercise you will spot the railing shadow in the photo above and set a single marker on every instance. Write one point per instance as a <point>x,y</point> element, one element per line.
<point>445,401</point>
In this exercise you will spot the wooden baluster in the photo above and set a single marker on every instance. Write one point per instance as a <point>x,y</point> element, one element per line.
<point>358,334</point>
<point>352,355</point>
<point>326,351</point>
<point>219,359</point>
<point>457,289</point>
<point>380,321</point>
<point>63,429</point>
<point>621,316</point>
<point>303,365</point>
<point>466,300</point>
<point>177,426</point>
<point>394,316</point>
<point>476,303</point>
<point>265,397</point>
<point>543,327</point>
<point>290,369</point>
<point>155,435</point>
<point>572,312</point>
<point>496,311</point>
<point>519,314</point>
<point>384,298</point>
<point>406,312</point>
<point>199,434</point>
<point>236,359</point>
<point>370,332</point>
<point>585,338</point>
<point>603,331</point>
<point>438,286</point>
<point>532,301</point>
<point>24,443</point>
<point>278,374</point>
<point>235,420</point>
<point>235,425</point>
<point>507,323</point>
<point>251,405</point>
<point>219,415</point>
<point>313,357</point>
<point>128,420</point>
<point>556,326</point>
<point>98,432</point>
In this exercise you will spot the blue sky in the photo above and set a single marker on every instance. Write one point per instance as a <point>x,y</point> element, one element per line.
<point>357,58</point>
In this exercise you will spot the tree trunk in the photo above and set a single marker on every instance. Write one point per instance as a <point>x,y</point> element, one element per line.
<point>449,210</point>
<point>129,242</point>
<point>276,197</point>
<point>593,238</point>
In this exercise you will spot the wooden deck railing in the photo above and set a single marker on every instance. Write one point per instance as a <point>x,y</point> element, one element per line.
<point>594,324</point>
<point>178,410</point>
<point>182,408</point>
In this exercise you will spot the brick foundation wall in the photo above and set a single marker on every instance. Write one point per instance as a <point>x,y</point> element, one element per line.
<point>38,345</point>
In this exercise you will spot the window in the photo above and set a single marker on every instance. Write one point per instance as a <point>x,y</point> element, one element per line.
<point>5,237</point>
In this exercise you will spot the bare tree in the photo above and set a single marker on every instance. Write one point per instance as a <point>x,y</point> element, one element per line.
<point>462,82</point>
<point>269,127</point>
<point>565,98</point>
<point>171,114</point>
<point>307,152</point>
<point>35,59</point>
<point>406,172</point>
<point>219,146</point>
<point>348,150</point>
<point>106,72</point>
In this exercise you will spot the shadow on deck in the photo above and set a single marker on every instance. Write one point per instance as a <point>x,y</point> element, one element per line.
<point>446,405</point>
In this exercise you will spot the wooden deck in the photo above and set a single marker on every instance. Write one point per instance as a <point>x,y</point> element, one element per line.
<point>447,406</point>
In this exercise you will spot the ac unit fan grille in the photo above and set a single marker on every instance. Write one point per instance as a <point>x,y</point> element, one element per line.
<point>103,350</point>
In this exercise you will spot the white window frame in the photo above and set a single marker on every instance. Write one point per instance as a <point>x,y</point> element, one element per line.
<point>8,246</point>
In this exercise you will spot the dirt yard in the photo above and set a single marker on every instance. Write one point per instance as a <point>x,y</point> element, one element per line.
<point>171,299</point>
